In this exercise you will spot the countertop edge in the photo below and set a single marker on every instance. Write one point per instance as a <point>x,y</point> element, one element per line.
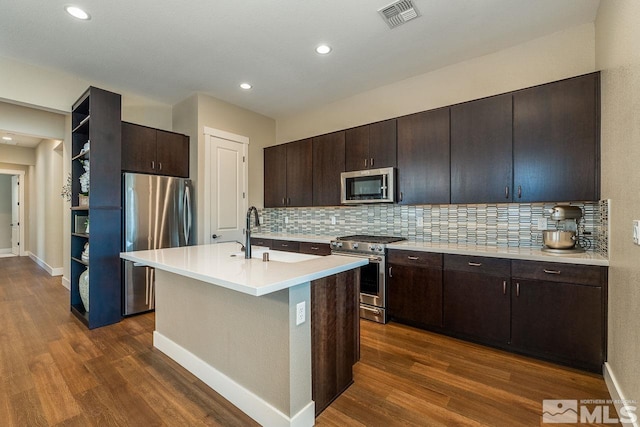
<point>492,252</point>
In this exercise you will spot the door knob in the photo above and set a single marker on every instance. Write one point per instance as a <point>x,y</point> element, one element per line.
<point>215,236</point>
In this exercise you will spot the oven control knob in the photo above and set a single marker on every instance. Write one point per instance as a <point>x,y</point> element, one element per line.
<point>339,244</point>
<point>355,246</point>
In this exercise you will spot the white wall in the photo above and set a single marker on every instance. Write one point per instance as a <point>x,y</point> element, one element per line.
<point>5,211</point>
<point>554,57</point>
<point>618,55</point>
<point>214,113</point>
<point>46,214</point>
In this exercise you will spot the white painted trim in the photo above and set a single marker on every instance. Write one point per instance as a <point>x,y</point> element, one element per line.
<point>57,271</point>
<point>66,283</point>
<point>616,392</point>
<point>226,135</point>
<point>20,173</point>
<point>247,401</point>
<point>216,133</point>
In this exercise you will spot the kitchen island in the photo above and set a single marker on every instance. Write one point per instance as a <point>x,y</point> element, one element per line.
<point>232,322</point>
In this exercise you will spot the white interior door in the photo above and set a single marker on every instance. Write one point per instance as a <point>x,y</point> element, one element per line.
<point>15,215</point>
<point>227,189</point>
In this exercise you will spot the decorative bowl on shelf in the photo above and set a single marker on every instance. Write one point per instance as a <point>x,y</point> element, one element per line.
<point>83,200</point>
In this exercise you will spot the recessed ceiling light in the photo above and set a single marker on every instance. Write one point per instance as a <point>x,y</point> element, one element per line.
<point>245,86</point>
<point>76,12</point>
<point>323,49</point>
<point>7,138</point>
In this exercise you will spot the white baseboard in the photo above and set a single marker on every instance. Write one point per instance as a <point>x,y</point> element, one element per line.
<point>66,283</point>
<point>57,271</point>
<point>6,251</point>
<point>247,401</point>
<point>618,396</point>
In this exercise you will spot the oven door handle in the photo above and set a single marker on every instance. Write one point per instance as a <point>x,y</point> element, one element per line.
<point>373,310</point>
<point>373,259</point>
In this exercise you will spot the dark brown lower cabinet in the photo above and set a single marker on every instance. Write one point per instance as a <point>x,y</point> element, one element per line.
<point>414,291</point>
<point>335,335</point>
<point>558,312</point>
<point>477,298</point>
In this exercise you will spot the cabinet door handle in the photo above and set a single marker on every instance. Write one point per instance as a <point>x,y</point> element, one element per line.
<point>288,201</point>
<point>552,271</point>
<point>504,287</point>
<point>153,164</point>
<point>506,192</point>
<point>365,163</point>
<point>159,166</point>
<point>401,195</point>
<point>474,264</point>
<point>371,162</point>
<point>517,289</point>
<point>284,201</point>
<point>413,258</point>
<point>390,275</point>
<point>519,192</point>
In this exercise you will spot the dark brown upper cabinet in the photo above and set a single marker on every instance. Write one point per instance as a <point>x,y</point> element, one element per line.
<point>556,141</point>
<point>423,158</point>
<point>328,163</point>
<point>288,175</point>
<point>481,151</point>
<point>154,151</point>
<point>371,146</point>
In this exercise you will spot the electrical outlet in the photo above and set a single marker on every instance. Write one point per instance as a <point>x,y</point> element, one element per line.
<point>261,220</point>
<point>542,224</point>
<point>420,221</point>
<point>333,220</point>
<point>286,220</point>
<point>300,313</point>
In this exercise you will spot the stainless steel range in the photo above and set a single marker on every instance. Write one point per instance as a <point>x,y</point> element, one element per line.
<point>373,282</point>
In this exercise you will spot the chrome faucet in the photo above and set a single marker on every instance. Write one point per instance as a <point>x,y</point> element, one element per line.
<point>247,246</point>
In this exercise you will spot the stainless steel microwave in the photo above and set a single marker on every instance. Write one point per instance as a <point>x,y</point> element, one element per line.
<point>368,186</point>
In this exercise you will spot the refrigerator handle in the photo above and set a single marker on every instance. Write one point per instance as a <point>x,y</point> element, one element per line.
<point>186,220</point>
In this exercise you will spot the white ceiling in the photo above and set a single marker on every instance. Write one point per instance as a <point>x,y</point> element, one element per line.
<point>168,49</point>
<point>19,140</point>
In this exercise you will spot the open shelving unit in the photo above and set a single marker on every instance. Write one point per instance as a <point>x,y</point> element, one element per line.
<point>96,118</point>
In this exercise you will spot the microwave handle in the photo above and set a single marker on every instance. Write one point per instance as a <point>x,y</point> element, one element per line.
<point>384,186</point>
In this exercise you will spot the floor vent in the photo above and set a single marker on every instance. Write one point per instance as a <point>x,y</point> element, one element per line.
<point>399,12</point>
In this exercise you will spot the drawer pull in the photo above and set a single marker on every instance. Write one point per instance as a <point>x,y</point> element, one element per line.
<point>314,248</point>
<point>551,271</point>
<point>504,287</point>
<point>413,258</point>
<point>284,245</point>
<point>474,264</point>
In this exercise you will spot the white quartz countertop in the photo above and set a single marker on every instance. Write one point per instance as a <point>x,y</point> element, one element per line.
<point>528,254</point>
<point>224,265</point>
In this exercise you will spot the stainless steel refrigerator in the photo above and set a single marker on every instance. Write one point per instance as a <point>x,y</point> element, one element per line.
<point>157,213</point>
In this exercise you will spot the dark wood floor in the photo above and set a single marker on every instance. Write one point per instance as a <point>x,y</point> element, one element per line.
<point>53,371</point>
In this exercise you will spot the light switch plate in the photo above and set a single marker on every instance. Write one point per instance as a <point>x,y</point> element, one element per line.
<point>419,222</point>
<point>542,224</point>
<point>636,232</point>
<point>333,220</point>
<point>286,220</point>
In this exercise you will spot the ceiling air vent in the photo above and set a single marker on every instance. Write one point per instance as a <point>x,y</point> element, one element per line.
<point>399,12</point>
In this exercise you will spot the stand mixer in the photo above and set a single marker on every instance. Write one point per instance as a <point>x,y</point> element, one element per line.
<point>565,239</point>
